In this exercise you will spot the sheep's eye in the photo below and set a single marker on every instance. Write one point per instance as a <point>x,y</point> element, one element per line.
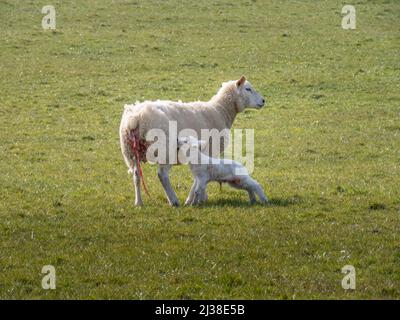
<point>248,89</point>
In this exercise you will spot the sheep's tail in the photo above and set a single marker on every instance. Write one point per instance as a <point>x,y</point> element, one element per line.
<point>130,145</point>
<point>134,145</point>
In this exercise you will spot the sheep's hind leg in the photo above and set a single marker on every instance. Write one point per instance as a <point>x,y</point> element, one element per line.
<point>163,175</point>
<point>136,183</point>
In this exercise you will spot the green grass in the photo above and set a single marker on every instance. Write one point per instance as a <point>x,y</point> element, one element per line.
<point>327,150</point>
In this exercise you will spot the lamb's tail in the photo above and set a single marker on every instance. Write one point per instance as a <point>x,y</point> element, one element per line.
<point>130,148</point>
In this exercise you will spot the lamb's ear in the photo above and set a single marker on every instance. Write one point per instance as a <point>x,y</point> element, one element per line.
<point>181,141</point>
<point>241,81</point>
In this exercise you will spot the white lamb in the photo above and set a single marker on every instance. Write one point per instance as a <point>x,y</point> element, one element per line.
<point>206,169</point>
<point>218,113</point>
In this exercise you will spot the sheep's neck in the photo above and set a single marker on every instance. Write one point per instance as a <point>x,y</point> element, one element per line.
<point>229,110</point>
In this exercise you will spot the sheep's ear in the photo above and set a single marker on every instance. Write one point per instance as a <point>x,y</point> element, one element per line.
<point>241,81</point>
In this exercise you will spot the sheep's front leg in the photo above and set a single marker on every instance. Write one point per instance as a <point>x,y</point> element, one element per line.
<point>190,198</point>
<point>163,175</point>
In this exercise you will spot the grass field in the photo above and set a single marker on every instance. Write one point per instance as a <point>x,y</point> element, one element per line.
<point>327,150</point>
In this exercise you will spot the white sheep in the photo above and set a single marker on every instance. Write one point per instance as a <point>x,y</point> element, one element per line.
<point>206,169</point>
<point>218,113</point>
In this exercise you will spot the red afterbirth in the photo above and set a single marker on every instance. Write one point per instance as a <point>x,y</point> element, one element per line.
<point>138,149</point>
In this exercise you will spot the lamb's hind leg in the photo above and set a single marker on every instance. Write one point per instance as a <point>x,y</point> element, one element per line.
<point>163,175</point>
<point>252,196</point>
<point>243,184</point>
<point>258,190</point>
<point>252,187</point>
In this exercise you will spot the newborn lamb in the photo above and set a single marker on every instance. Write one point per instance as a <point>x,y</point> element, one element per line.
<point>206,169</point>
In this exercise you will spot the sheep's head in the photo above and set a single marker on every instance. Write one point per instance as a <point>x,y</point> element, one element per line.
<point>248,97</point>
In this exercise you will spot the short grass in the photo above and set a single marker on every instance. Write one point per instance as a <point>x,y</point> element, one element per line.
<point>327,150</point>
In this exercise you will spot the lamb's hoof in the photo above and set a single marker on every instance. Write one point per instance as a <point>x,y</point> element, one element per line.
<point>174,204</point>
<point>138,204</point>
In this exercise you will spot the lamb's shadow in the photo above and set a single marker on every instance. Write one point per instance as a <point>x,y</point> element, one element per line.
<point>238,203</point>
<point>284,202</point>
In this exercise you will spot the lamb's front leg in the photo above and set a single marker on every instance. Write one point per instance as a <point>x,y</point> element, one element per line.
<point>199,192</point>
<point>190,198</point>
<point>163,175</point>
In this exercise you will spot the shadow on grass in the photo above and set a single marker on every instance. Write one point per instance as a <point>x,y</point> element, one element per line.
<point>274,202</point>
<point>284,202</point>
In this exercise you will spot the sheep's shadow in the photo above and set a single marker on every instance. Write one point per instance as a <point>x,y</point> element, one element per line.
<point>238,203</point>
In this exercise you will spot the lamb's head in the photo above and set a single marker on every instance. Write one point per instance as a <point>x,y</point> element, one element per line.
<point>189,149</point>
<point>190,142</point>
<point>248,97</point>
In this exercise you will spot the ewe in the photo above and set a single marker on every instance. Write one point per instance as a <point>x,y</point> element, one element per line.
<point>206,169</point>
<point>140,118</point>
